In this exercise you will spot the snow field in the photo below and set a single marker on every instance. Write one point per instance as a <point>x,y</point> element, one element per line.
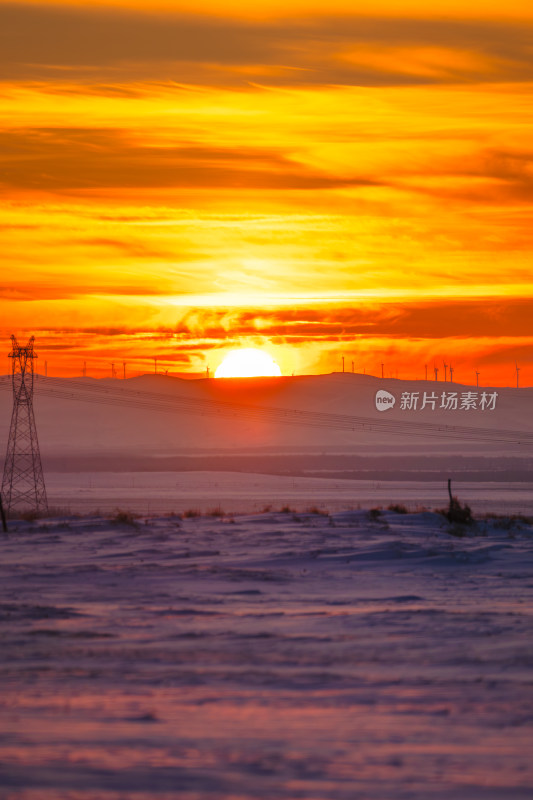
<point>276,655</point>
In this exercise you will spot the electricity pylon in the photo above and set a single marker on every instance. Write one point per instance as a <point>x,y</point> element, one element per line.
<point>23,482</point>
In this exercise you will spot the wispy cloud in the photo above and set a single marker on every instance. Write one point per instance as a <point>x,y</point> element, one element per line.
<point>32,291</point>
<point>63,159</point>
<point>40,42</point>
<point>77,158</point>
<point>452,317</point>
<point>438,319</point>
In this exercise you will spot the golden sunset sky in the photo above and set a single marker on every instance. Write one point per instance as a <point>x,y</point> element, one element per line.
<point>317,179</point>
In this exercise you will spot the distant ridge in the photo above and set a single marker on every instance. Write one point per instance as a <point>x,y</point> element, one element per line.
<point>112,417</point>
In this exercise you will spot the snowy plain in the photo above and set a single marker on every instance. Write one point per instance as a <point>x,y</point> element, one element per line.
<point>281,655</point>
<point>241,492</point>
<point>164,635</point>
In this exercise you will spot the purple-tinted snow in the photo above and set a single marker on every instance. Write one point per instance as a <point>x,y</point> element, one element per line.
<point>275,656</point>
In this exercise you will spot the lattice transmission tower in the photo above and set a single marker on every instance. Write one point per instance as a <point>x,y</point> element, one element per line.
<point>23,482</point>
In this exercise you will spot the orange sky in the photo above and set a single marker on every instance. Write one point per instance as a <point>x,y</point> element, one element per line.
<point>180,179</point>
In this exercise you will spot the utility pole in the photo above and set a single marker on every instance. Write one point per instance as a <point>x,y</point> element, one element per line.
<point>3,515</point>
<point>23,481</point>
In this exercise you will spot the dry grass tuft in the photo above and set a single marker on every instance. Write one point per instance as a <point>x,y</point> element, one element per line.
<point>317,510</point>
<point>399,508</point>
<point>508,521</point>
<point>124,518</point>
<point>216,512</point>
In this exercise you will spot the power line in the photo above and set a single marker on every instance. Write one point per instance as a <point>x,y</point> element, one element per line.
<point>71,389</point>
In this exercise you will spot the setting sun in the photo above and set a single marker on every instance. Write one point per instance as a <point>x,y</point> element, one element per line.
<point>247,363</point>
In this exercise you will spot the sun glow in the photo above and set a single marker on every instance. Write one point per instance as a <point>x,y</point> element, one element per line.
<point>222,175</point>
<point>247,363</point>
